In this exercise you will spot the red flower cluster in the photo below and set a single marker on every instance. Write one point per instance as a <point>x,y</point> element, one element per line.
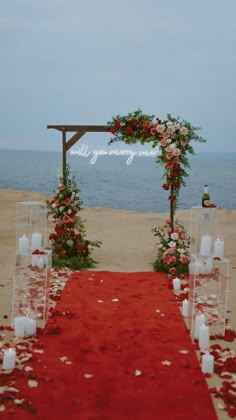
<point>68,239</point>
<point>171,136</point>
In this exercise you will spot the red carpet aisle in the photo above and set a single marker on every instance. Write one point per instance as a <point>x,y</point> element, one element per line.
<point>116,348</point>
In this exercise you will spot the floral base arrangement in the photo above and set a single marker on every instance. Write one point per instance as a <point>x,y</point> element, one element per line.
<point>173,249</point>
<point>70,247</point>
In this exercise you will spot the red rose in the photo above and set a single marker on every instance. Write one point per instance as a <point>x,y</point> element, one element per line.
<point>67,219</point>
<point>147,124</point>
<point>176,184</point>
<point>112,130</point>
<point>67,201</point>
<point>117,124</point>
<point>52,236</point>
<point>169,165</point>
<point>165,187</point>
<point>172,197</point>
<point>134,123</point>
<point>128,130</point>
<point>61,187</point>
<point>79,247</point>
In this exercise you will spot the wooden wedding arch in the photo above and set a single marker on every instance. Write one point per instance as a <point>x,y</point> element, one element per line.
<point>80,131</point>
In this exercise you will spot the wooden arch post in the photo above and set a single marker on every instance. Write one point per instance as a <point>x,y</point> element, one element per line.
<point>79,131</point>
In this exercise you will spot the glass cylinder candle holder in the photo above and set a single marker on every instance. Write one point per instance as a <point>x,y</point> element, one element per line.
<point>204,227</point>
<point>30,226</point>
<point>31,287</point>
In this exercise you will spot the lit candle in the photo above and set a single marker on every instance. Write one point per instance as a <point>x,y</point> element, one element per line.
<point>36,242</point>
<point>203,337</point>
<point>207,363</point>
<point>176,283</point>
<point>219,249</point>
<point>199,320</point>
<point>9,359</point>
<point>205,248</point>
<point>19,326</point>
<point>185,307</point>
<point>23,244</point>
<point>30,327</point>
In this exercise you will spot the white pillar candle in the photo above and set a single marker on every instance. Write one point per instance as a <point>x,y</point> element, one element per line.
<point>34,260</point>
<point>19,326</point>
<point>23,244</point>
<point>219,249</point>
<point>203,337</point>
<point>205,248</point>
<point>207,363</point>
<point>199,320</point>
<point>209,266</point>
<point>30,327</point>
<point>40,262</point>
<point>176,283</point>
<point>185,307</point>
<point>9,359</point>
<point>36,242</point>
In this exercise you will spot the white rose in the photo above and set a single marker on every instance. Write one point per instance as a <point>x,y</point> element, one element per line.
<point>173,146</point>
<point>171,129</point>
<point>176,152</point>
<point>69,211</point>
<point>160,128</point>
<point>183,131</point>
<point>174,236</point>
<point>168,141</point>
<point>171,244</point>
<point>61,208</point>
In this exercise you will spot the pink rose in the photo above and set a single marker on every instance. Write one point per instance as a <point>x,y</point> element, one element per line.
<point>163,143</point>
<point>183,131</point>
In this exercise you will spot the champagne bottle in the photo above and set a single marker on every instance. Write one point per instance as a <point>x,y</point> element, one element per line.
<point>205,197</point>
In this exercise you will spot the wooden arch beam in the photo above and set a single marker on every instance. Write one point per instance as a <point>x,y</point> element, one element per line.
<point>79,130</point>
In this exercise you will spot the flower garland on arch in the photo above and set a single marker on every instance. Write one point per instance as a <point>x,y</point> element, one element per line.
<point>173,137</point>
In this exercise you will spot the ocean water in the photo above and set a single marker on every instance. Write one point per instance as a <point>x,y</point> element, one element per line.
<point>121,181</point>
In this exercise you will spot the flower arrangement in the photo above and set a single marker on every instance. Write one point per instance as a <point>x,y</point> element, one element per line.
<point>70,248</point>
<point>172,137</point>
<point>173,249</point>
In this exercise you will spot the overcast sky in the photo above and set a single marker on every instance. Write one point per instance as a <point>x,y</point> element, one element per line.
<point>85,61</point>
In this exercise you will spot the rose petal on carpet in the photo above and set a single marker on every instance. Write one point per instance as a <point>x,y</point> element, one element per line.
<point>116,347</point>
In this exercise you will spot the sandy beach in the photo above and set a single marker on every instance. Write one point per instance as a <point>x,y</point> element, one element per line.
<point>128,245</point>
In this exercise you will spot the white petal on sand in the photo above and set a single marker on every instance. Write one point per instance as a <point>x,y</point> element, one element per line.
<point>100,301</point>
<point>2,407</point>
<point>115,300</point>
<point>183,351</point>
